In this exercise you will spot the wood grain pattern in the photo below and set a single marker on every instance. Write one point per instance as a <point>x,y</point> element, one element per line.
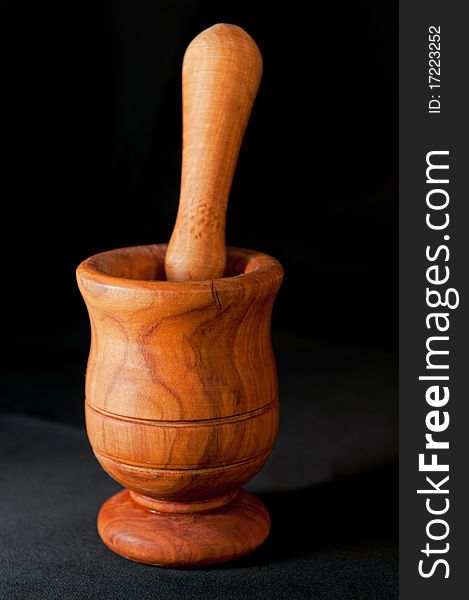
<point>221,74</point>
<point>181,402</point>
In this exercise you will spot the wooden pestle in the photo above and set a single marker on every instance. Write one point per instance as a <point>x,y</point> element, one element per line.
<point>221,74</point>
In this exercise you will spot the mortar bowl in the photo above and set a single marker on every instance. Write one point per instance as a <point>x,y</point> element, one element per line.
<point>181,402</point>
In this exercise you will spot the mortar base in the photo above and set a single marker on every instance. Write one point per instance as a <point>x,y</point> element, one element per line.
<point>182,539</point>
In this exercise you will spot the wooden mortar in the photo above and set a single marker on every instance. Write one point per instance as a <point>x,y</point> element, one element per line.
<point>181,389</point>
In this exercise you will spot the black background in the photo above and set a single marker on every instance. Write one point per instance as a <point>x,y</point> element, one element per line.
<point>92,134</point>
<point>91,131</point>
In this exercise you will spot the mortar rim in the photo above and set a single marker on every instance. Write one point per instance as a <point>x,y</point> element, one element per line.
<point>267,268</point>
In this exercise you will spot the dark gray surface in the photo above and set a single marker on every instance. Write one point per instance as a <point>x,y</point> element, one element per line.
<point>331,487</point>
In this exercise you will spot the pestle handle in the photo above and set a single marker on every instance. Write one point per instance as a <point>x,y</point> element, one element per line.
<point>220,76</point>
